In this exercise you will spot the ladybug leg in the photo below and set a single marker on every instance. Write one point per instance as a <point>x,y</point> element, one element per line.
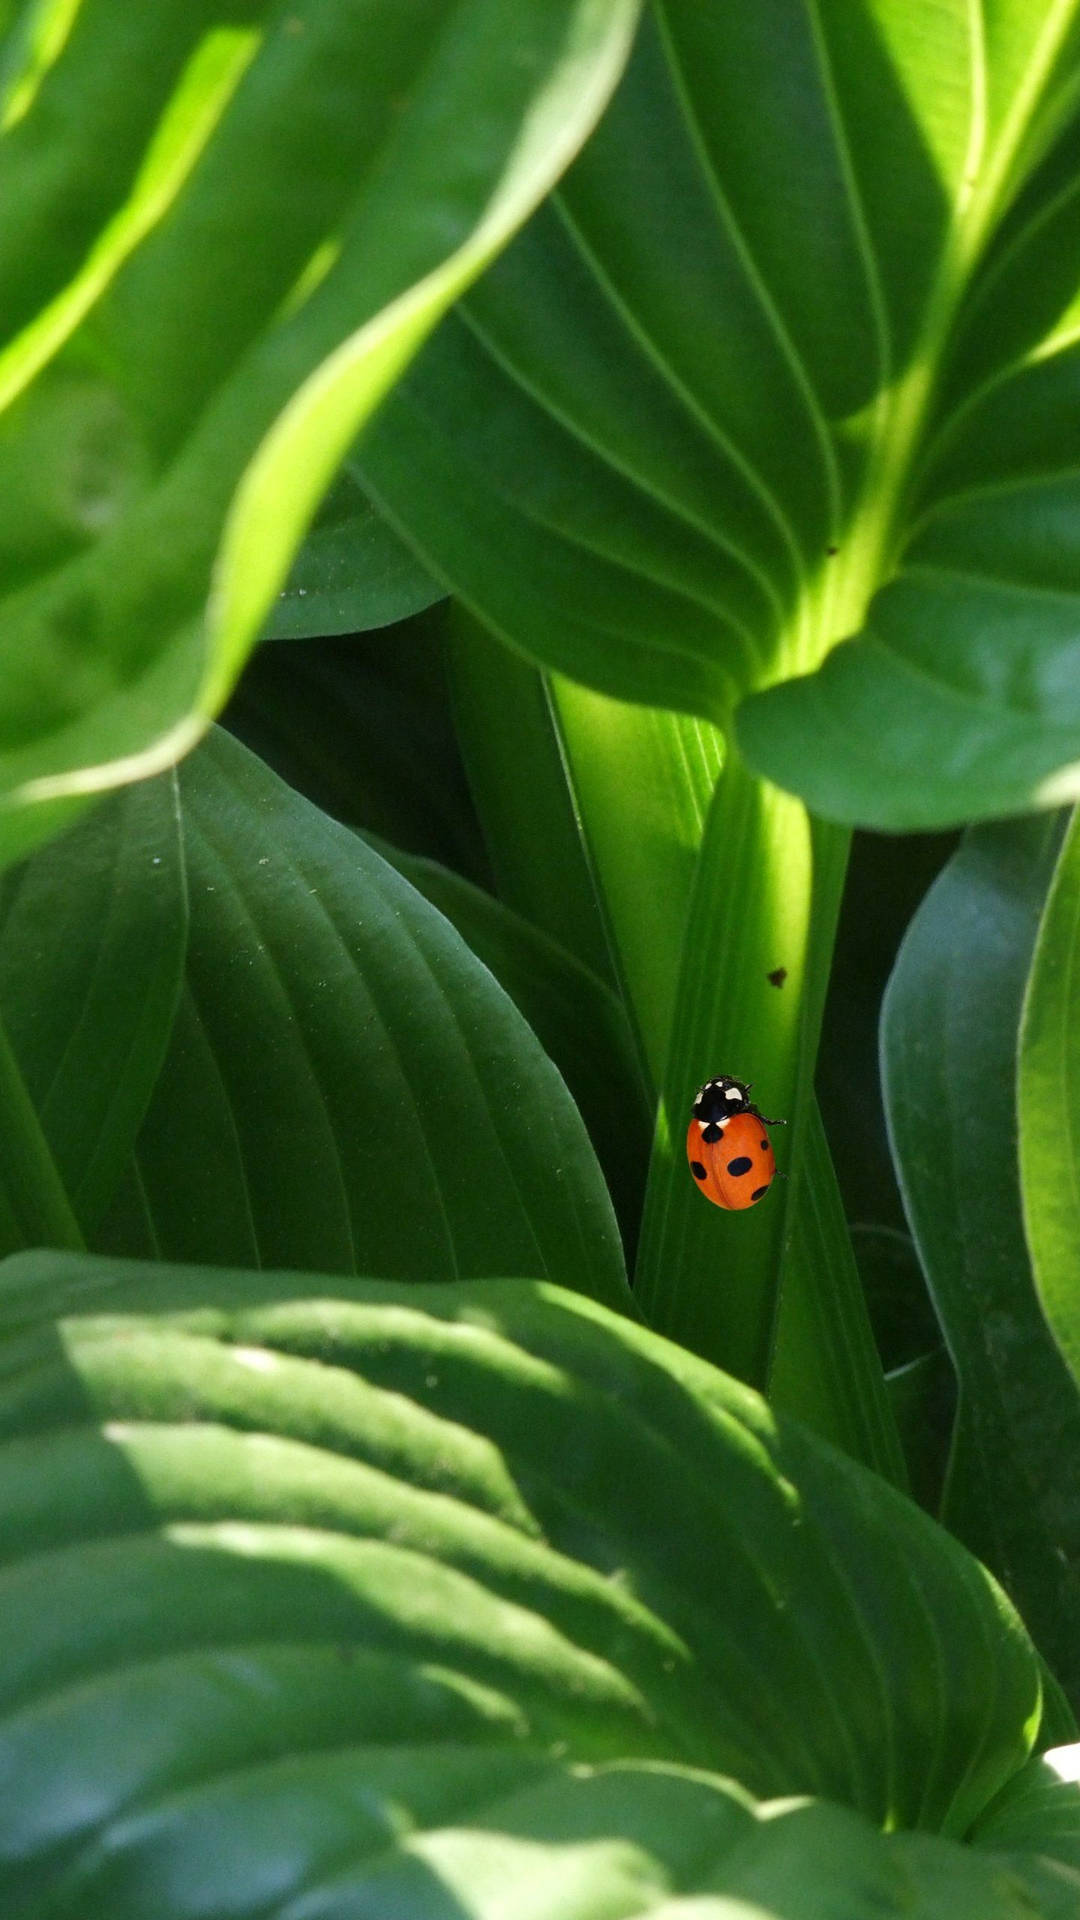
<point>771,1123</point>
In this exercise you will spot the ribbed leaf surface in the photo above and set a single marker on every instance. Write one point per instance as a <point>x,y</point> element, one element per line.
<point>790,357</point>
<point>346,1086</point>
<point>277,1561</point>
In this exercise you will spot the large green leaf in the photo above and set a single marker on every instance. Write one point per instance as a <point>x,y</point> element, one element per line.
<point>346,1086</point>
<point>790,357</point>
<point>92,941</point>
<point>949,1055</point>
<point>229,227</point>
<point>1049,1102</point>
<point>279,1555</point>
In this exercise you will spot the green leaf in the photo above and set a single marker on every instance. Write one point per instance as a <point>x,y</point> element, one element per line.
<point>93,932</point>
<point>772,404</point>
<point>579,1022</point>
<point>351,574</point>
<point>949,1056</point>
<point>346,1086</point>
<point>363,728</point>
<point>1038,1810</point>
<point>232,231</point>
<point>642,781</point>
<point>280,1557</point>
<point>92,938</point>
<point>507,727</point>
<point>922,1395</point>
<point>766,891</point>
<point>824,1366</point>
<point>1049,1106</point>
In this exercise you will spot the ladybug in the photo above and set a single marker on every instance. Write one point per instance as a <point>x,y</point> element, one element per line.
<point>727,1145</point>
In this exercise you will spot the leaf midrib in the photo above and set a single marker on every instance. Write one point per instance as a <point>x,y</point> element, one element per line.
<point>878,523</point>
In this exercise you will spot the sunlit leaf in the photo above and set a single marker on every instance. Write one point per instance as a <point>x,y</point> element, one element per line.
<point>228,229</point>
<point>282,1554</point>
<point>790,357</point>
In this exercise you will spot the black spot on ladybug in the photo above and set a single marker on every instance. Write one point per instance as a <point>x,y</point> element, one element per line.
<point>697,1169</point>
<point>740,1166</point>
<point>777,977</point>
<point>712,1133</point>
<point>764,1145</point>
<point>757,1193</point>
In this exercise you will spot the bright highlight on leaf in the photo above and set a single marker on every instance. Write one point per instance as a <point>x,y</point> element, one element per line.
<point>772,407</point>
<point>171,174</point>
<point>1049,1102</point>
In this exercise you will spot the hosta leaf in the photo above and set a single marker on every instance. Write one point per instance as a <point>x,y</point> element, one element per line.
<point>92,939</point>
<point>505,718</point>
<point>579,1022</point>
<point>346,1086</point>
<point>788,361</point>
<point>229,228</point>
<point>363,728</point>
<point>1049,1101</point>
<point>1039,1809</point>
<point>949,1054</point>
<point>278,1556</point>
<point>352,573</point>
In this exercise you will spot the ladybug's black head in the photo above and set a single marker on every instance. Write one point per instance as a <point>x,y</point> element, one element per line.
<point>720,1098</point>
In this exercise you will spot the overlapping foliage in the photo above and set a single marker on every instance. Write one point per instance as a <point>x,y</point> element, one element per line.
<point>730,506</point>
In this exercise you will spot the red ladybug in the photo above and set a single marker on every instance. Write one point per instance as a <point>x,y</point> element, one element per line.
<point>729,1151</point>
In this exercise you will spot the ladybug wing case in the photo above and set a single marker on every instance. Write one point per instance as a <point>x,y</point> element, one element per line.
<point>736,1170</point>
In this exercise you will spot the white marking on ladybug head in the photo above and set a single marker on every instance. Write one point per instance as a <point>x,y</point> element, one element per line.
<point>733,1093</point>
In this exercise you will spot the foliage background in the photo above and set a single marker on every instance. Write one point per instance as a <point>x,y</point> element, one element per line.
<point>700,390</point>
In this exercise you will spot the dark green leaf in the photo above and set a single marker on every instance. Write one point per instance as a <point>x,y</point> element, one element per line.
<point>579,1022</point>
<point>92,938</point>
<point>1039,1810</point>
<point>352,573</point>
<point>922,1394</point>
<point>346,1086</point>
<point>509,736</point>
<point>949,1054</point>
<point>824,1365</point>
<point>277,1559</point>
<point>363,728</point>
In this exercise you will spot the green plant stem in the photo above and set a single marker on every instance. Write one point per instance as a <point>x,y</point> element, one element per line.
<point>591,803</point>
<point>749,1004</point>
<point>525,800</point>
<point>643,780</point>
